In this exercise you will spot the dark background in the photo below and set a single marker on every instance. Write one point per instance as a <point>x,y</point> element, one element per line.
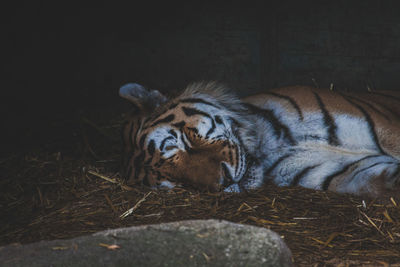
<point>60,60</point>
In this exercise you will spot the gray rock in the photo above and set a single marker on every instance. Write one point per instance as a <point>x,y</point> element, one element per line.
<point>184,243</point>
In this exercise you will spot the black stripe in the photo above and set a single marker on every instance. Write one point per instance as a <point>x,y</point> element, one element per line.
<point>172,106</point>
<point>218,119</point>
<point>291,101</point>
<point>212,129</point>
<point>136,134</point>
<point>151,147</point>
<point>173,133</point>
<point>128,158</point>
<point>169,118</point>
<point>236,126</point>
<point>237,159</point>
<point>197,100</point>
<point>312,137</point>
<point>187,148</point>
<point>395,174</point>
<point>236,123</point>
<point>192,111</point>
<point>278,126</point>
<point>141,141</point>
<point>275,164</point>
<point>193,129</point>
<point>371,124</point>
<point>230,153</point>
<point>329,178</point>
<point>137,163</point>
<point>369,167</point>
<point>179,124</point>
<point>329,122</point>
<point>389,110</point>
<point>385,95</point>
<point>160,162</point>
<point>296,180</point>
<point>149,118</point>
<point>163,142</point>
<point>160,112</point>
<point>371,106</point>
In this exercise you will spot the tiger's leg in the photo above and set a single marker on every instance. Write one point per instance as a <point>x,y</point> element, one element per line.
<point>372,176</point>
<point>329,169</point>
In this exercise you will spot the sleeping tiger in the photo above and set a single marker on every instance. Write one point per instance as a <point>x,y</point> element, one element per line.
<point>315,138</point>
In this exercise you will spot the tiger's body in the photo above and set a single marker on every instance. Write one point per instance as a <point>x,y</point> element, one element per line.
<point>315,138</point>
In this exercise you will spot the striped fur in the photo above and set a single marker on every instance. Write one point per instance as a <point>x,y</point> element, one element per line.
<point>315,138</point>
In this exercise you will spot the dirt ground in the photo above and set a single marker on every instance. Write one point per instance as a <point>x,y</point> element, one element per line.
<point>69,186</point>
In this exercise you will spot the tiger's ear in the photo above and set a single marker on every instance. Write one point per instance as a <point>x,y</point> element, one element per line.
<point>141,97</point>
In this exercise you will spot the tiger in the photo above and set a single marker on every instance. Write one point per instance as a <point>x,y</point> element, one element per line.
<point>209,138</point>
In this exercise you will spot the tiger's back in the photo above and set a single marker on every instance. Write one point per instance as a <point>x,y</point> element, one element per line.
<point>379,112</point>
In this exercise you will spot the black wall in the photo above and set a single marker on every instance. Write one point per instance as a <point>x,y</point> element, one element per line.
<point>60,58</point>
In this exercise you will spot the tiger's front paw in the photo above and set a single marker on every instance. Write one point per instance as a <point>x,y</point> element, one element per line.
<point>254,178</point>
<point>233,188</point>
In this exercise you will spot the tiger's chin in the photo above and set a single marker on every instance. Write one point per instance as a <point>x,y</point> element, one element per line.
<point>167,185</point>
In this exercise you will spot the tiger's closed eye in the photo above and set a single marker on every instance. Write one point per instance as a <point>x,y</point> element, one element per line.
<point>168,148</point>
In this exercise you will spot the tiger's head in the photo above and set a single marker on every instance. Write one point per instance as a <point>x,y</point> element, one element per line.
<point>193,139</point>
